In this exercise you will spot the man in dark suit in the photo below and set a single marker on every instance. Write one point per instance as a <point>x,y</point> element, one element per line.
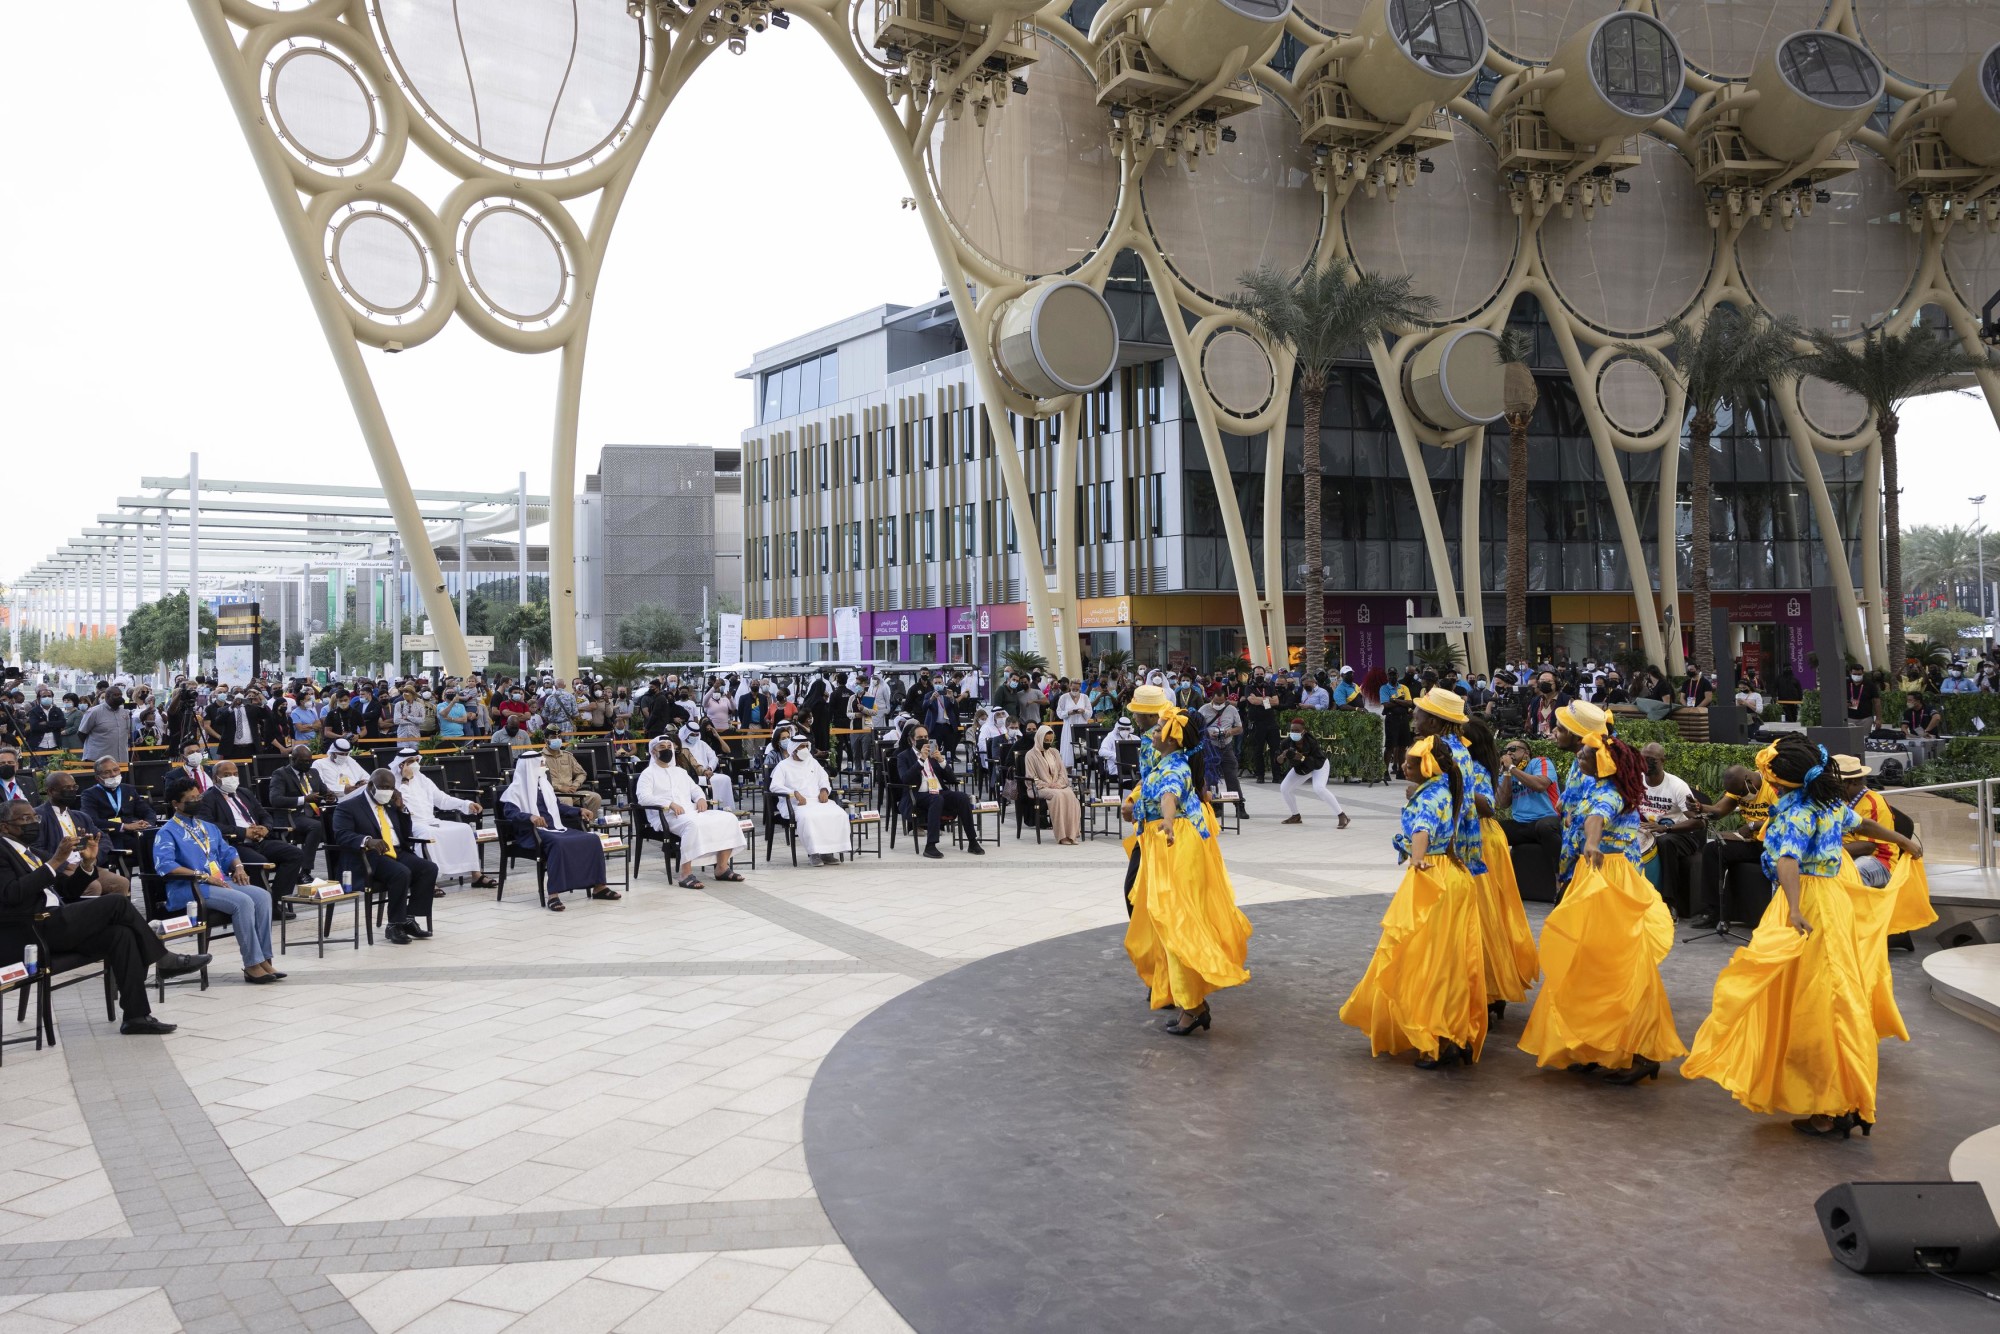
<point>373,829</point>
<point>299,797</point>
<point>61,819</point>
<point>925,773</point>
<point>236,811</point>
<point>117,808</point>
<point>105,927</point>
<point>239,721</point>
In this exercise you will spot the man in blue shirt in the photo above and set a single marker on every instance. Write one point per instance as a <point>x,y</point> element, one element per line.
<point>1346,694</point>
<point>1314,697</point>
<point>1956,684</point>
<point>1528,794</point>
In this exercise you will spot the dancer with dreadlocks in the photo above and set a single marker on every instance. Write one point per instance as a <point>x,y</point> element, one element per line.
<point>1186,936</point>
<point>1602,1004</point>
<point>1791,1029</point>
<point>1425,989</point>
<point>1511,963</point>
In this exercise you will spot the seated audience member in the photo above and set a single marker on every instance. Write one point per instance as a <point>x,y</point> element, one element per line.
<point>933,791</point>
<point>61,819</point>
<point>453,845</point>
<point>513,732</point>
<point>1121,734</point>
<point>1670,831</point>
<point>339,772</point>
<point>117,807</point>
<point>536,818</point>
<point>1528,792</point>
<point>1875,862</point>
<point>10,775</point>
<point>299,795</point>
<point>106,926</point>
<point>802,785</point>
<point>673,801</point>
<point>1746,793</point>
<point>373,830</point>
<point>235,810</point>
<point>703,748</point>
<point>570,779</point>
<point>1048,782</point>
<point>1922,719</point>
<point>197,863</point>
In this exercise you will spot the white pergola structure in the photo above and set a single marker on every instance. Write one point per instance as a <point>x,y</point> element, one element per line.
<point>208,535</point>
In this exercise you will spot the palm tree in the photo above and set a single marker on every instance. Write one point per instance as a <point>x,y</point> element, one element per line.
<point>1887,370</point>
<point>1946,558</point>
<point>1520,395</point>
<point>1319,315</point>
<point>1727,360</point>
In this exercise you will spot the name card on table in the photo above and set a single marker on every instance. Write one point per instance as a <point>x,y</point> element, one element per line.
<point>322,889</point>
<point>12,973</point>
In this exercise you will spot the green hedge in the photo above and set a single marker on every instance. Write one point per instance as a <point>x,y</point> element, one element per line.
<point>1351,738</point>
<point>1962,760</point>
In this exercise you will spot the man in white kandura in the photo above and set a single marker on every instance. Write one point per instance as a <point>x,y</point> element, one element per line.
<point>670,795</point>
<point>821,821</point>
<point>453,846</point>
<point>339,770</point>
<point>707,766</point>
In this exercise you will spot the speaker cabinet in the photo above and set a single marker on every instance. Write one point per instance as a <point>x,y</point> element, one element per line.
<point>1979,931</point>
<point>1905,1227</point>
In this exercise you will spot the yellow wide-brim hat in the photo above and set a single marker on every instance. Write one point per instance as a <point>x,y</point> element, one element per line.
<point>1150,699</point>
<point>1442,703</point>
<point>1582,718</point>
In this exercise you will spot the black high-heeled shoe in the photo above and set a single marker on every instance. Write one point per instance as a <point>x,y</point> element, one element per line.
<point>1449,1053</point>
<point>1641,1069</point>
<point>1496,1011</point>
<point>1189,1022</point>
<point>1842,1125</point>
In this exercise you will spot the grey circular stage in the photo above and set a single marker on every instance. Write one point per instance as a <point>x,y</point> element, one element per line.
<point>1016,1146</point>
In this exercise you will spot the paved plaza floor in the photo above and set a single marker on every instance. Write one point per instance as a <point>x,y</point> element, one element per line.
<point>582,1122</point>
<point>599,1121</point>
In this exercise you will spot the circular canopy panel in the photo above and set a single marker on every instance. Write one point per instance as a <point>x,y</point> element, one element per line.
<point>322,107</point>
<point>1251,203</point>
<point>1847,267</point>
<point>1331,15</point>
<point>1239,375</point>
<point>514,263</point>
<point>1641,261</point>
<point>1832,410</point>
<point>1454,229</point>
<point>1632,396</point>
<point>1928,41</point>
<point>1034,189</point>
<point>1972,263</point>
<point>541,90</point>
<point>1724,37</point>
<point>380,262</point>
<point>1532,29</point>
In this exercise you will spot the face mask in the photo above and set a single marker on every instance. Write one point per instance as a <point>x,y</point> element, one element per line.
<point>410,774</point>
<point>663,756</point>
<point>63,799</point>
<point>382,796</point>
<point>1854,676</point>
<point>302,763</point>
<point>427,695</point>
<point>196,756</point>
<point>111,784</point>
<point>6,771</point>
<point>555,745</point>
<point>229,784</point>
<point>1297,736</point>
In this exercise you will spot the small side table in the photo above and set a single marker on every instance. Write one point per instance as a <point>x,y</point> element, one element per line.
<point>323,919</point>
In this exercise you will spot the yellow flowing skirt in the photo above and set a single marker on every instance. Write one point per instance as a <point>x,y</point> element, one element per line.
<point>1872,909</point>
<point>1601,998</point>
<point>1790,1030</point>
<point>1509,942</point>
<point>1186,936</point>
<point>1912,888</point>
<point>1427,981</point>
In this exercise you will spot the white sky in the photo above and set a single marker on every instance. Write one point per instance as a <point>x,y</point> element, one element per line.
<point>158,311</point>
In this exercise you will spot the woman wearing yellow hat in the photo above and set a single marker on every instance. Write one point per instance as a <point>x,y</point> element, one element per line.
<point>1791,1028</point>
<point>1875,894</point>
<point>1602,1004</point>
<point>1425,989</point>
<point>1186,937</point>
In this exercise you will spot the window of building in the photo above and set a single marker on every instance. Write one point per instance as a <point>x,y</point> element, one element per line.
<point>792,553</point>
<point>803,386</point>
<point>1636,64</point>
<point>1105,526</point>
<point>854,545</point>
<point>763,479</point>
<point>968,433</point>
<point>888,527</point>
<point>822,467</point>
<point>854,458</point>
<point>888,438</point>
<point>764,557</point>
<point>792,473</point>
<point>926,429</point>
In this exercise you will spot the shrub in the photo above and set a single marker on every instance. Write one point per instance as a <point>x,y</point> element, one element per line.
<point>1351,738</point>
<point>1963,760</point>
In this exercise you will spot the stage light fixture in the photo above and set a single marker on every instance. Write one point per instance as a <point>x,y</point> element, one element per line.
<point>1228,134</point>
<point>780,19</point>
<point>1018,84</point>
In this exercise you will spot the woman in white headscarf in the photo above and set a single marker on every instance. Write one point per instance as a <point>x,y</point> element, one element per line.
<point>453,846</point>
<point>1048,774</point>
<point>669,794</point>
<point>1073,711</point>
<point>574,859</point>
<point>822,823</point>
<point>706,765</point>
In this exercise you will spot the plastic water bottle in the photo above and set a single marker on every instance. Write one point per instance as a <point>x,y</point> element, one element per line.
<point>159,927</point>
<point>31,959</point>
<point>347,879</point>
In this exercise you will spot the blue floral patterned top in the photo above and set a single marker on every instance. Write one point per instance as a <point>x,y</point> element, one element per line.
<point>1478,783</point>
<point>1161,774</point>
<point>1427,811</point>
<point>1805,830</point>
<point>1585,795</point>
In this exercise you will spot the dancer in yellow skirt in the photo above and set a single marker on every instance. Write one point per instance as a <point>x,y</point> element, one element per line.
<point>1865,872</point>
<point>1791,1029</point>
<point>1511,962</point>
<point>1908,887</point>
<point>1602,1003</point>
<point>1186,937</point>
<point>1425,989</point>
